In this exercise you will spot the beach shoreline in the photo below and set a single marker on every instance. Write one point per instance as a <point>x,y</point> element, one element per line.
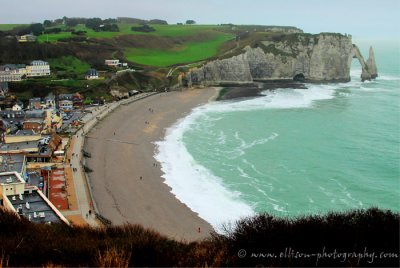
<point>126,181</point>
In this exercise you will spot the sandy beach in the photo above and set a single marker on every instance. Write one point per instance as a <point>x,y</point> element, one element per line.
<point>126,182</point>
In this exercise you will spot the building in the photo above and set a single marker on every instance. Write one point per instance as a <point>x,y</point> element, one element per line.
<point>92,74</point>
<point>50,101</point>
<point>45,149</point>
<point>38,68</point>
<point>35,104</point>
<point>77,100</point>
<point>26,147</point>
<point>13,162</point>
<point>56,121</point>
<point>112,63</point>
<point>65,105</point>
<point>17,72</point>
<point>11,183</point>
<point>11,73</point>
<point>34,120</point>
<point>17,107</point>
<point>27,201</point>
<point>26,38</point>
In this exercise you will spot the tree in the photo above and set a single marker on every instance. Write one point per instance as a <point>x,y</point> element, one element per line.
<point>190,22</point>
<point>36,28</point>
<point>157,21</point>
<point>93,23</point>
<point>110,28</point>
<point>144,28</point>
<point>47,23</point>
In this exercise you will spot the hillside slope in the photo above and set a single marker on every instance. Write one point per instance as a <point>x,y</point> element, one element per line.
<point>354,239</point>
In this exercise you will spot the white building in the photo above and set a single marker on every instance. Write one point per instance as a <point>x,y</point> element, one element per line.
<point>112,63</point>
<point>38,68</point>
<point>26,38</point>
<point>12,72</point>
<point>16,107</point>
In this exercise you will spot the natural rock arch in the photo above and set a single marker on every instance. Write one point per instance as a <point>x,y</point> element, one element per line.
<point>369,69</point>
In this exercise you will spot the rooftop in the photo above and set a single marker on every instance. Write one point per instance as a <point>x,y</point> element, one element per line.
<point>12,114</point>
<point>10,177</point>
<point>35,114</point>
<point>34,207</point>
<point>25,132</point>
<point>18,146</point>
<point>12,162</point>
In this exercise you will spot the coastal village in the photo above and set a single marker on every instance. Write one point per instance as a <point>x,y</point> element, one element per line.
<point>42,173</point>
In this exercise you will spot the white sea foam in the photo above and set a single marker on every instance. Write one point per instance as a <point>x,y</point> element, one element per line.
<point>388,78</point>
<point>278,99</point>
<point>195,185</point>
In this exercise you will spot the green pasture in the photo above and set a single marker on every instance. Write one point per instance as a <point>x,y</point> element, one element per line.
<point>125,29</point>
<point>189,52</point>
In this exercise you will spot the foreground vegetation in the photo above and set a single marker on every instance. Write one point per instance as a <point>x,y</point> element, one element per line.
<point>262,240</point>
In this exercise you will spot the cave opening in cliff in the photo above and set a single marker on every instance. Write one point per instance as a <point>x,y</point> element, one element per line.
<point>299,77</point>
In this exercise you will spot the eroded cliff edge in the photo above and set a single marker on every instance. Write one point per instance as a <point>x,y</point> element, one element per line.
<point>325,57</point>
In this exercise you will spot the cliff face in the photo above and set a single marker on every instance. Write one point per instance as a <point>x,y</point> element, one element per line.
<point>302,57</point>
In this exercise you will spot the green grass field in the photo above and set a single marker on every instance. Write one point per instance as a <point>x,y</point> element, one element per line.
<point>125,29</point>
<point>190,52</point>
<point>7,27</point>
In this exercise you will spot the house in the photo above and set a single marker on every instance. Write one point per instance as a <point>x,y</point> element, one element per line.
<point>12,116</point>
<point>45,149</point>
<point>35,104</point>
<point>65,105</point>
<point>77,100</point>
<point>50,101</point>
<point>112,63</point>
<point>26,38</point>
<point>38,68</point>
<point>56,121</point>
<point>34,120</point>
<point>92,74</point>
<point>17,107</point>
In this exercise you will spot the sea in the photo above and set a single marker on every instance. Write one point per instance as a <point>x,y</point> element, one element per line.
<point>292,152</point>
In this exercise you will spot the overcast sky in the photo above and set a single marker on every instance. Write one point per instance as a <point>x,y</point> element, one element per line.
<point>361,18</point>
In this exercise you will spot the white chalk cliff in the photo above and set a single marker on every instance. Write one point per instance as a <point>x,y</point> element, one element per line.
<point>312,58</point>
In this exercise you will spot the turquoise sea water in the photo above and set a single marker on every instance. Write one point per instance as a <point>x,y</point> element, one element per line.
<point>292,152</point>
